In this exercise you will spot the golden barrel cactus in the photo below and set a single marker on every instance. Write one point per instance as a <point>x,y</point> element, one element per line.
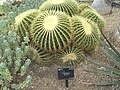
<point>70,56</point>
<point>51,30</point>
<point>70,7</point>
<point>24,20</point>
<point>84,32</point>
<point>83,6</point>
<point>38,55</point>
<point>93,16</point>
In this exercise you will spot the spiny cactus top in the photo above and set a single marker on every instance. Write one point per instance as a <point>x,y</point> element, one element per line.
<point>70,7</point>
<point>70,56</point>
<point>94,16</point>
<point>24,20</point>
<point>84,32</point>
<point>51,30</point>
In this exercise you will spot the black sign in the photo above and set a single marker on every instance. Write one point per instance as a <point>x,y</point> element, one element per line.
<point>65,73</point>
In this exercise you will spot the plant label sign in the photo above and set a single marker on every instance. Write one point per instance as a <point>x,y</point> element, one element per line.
<point>66,74</point>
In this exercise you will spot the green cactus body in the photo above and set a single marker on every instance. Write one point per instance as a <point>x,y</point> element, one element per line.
<point>51,30</point>
<point>24,20</point>
<point>84,6</point>
<point>70,7</point>
<point>39,55</point>
<point>94,16</point>
<point>84,33</point>
<point>70,56</point>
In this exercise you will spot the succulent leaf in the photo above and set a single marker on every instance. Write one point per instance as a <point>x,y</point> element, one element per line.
<point>25,67</point>
<point>84,33</point>
<point>51,30</point>
<point>67,6</point>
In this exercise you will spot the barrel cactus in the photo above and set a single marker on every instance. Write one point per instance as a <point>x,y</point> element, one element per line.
<point>39,55</point>
<point>61,30</point>
<point>70,56</point>
<point>83,6</point>
<point>70,7</point>
<point>24,20</point>
<point>84,33</point>
<point>94,16</point>
<point>51,30</point>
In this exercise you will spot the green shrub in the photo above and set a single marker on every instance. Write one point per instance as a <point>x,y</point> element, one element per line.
<point>27,5</point>
<point>13,62</point>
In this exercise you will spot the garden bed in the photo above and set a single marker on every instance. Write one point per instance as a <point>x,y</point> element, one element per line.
<point>45,77</point>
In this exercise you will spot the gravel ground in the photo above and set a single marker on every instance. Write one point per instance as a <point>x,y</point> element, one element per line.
<point>45,77</point>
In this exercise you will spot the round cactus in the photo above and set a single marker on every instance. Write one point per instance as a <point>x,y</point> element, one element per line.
<point>85,32</point>
<point>24,20</point>
<point>39,55</point>
<point>70,7</point>
<point>71,56</point>
<point>51,30</point>
<point>94,16</point>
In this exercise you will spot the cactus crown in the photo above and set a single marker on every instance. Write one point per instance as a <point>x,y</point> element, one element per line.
<point>70,56</point>
<point>56,2</point>
<point>48,25</point>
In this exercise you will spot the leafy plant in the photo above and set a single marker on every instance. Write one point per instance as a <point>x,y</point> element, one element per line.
<point>114,55</point>
<point>27,5</point>
<point>13,62</point>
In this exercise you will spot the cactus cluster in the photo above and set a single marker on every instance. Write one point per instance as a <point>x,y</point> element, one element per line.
<point>60,29</point>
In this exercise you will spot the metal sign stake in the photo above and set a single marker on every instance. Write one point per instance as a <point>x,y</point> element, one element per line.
<point>66,83</point>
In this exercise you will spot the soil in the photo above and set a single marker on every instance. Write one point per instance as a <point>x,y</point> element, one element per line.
<point>45,77</point>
